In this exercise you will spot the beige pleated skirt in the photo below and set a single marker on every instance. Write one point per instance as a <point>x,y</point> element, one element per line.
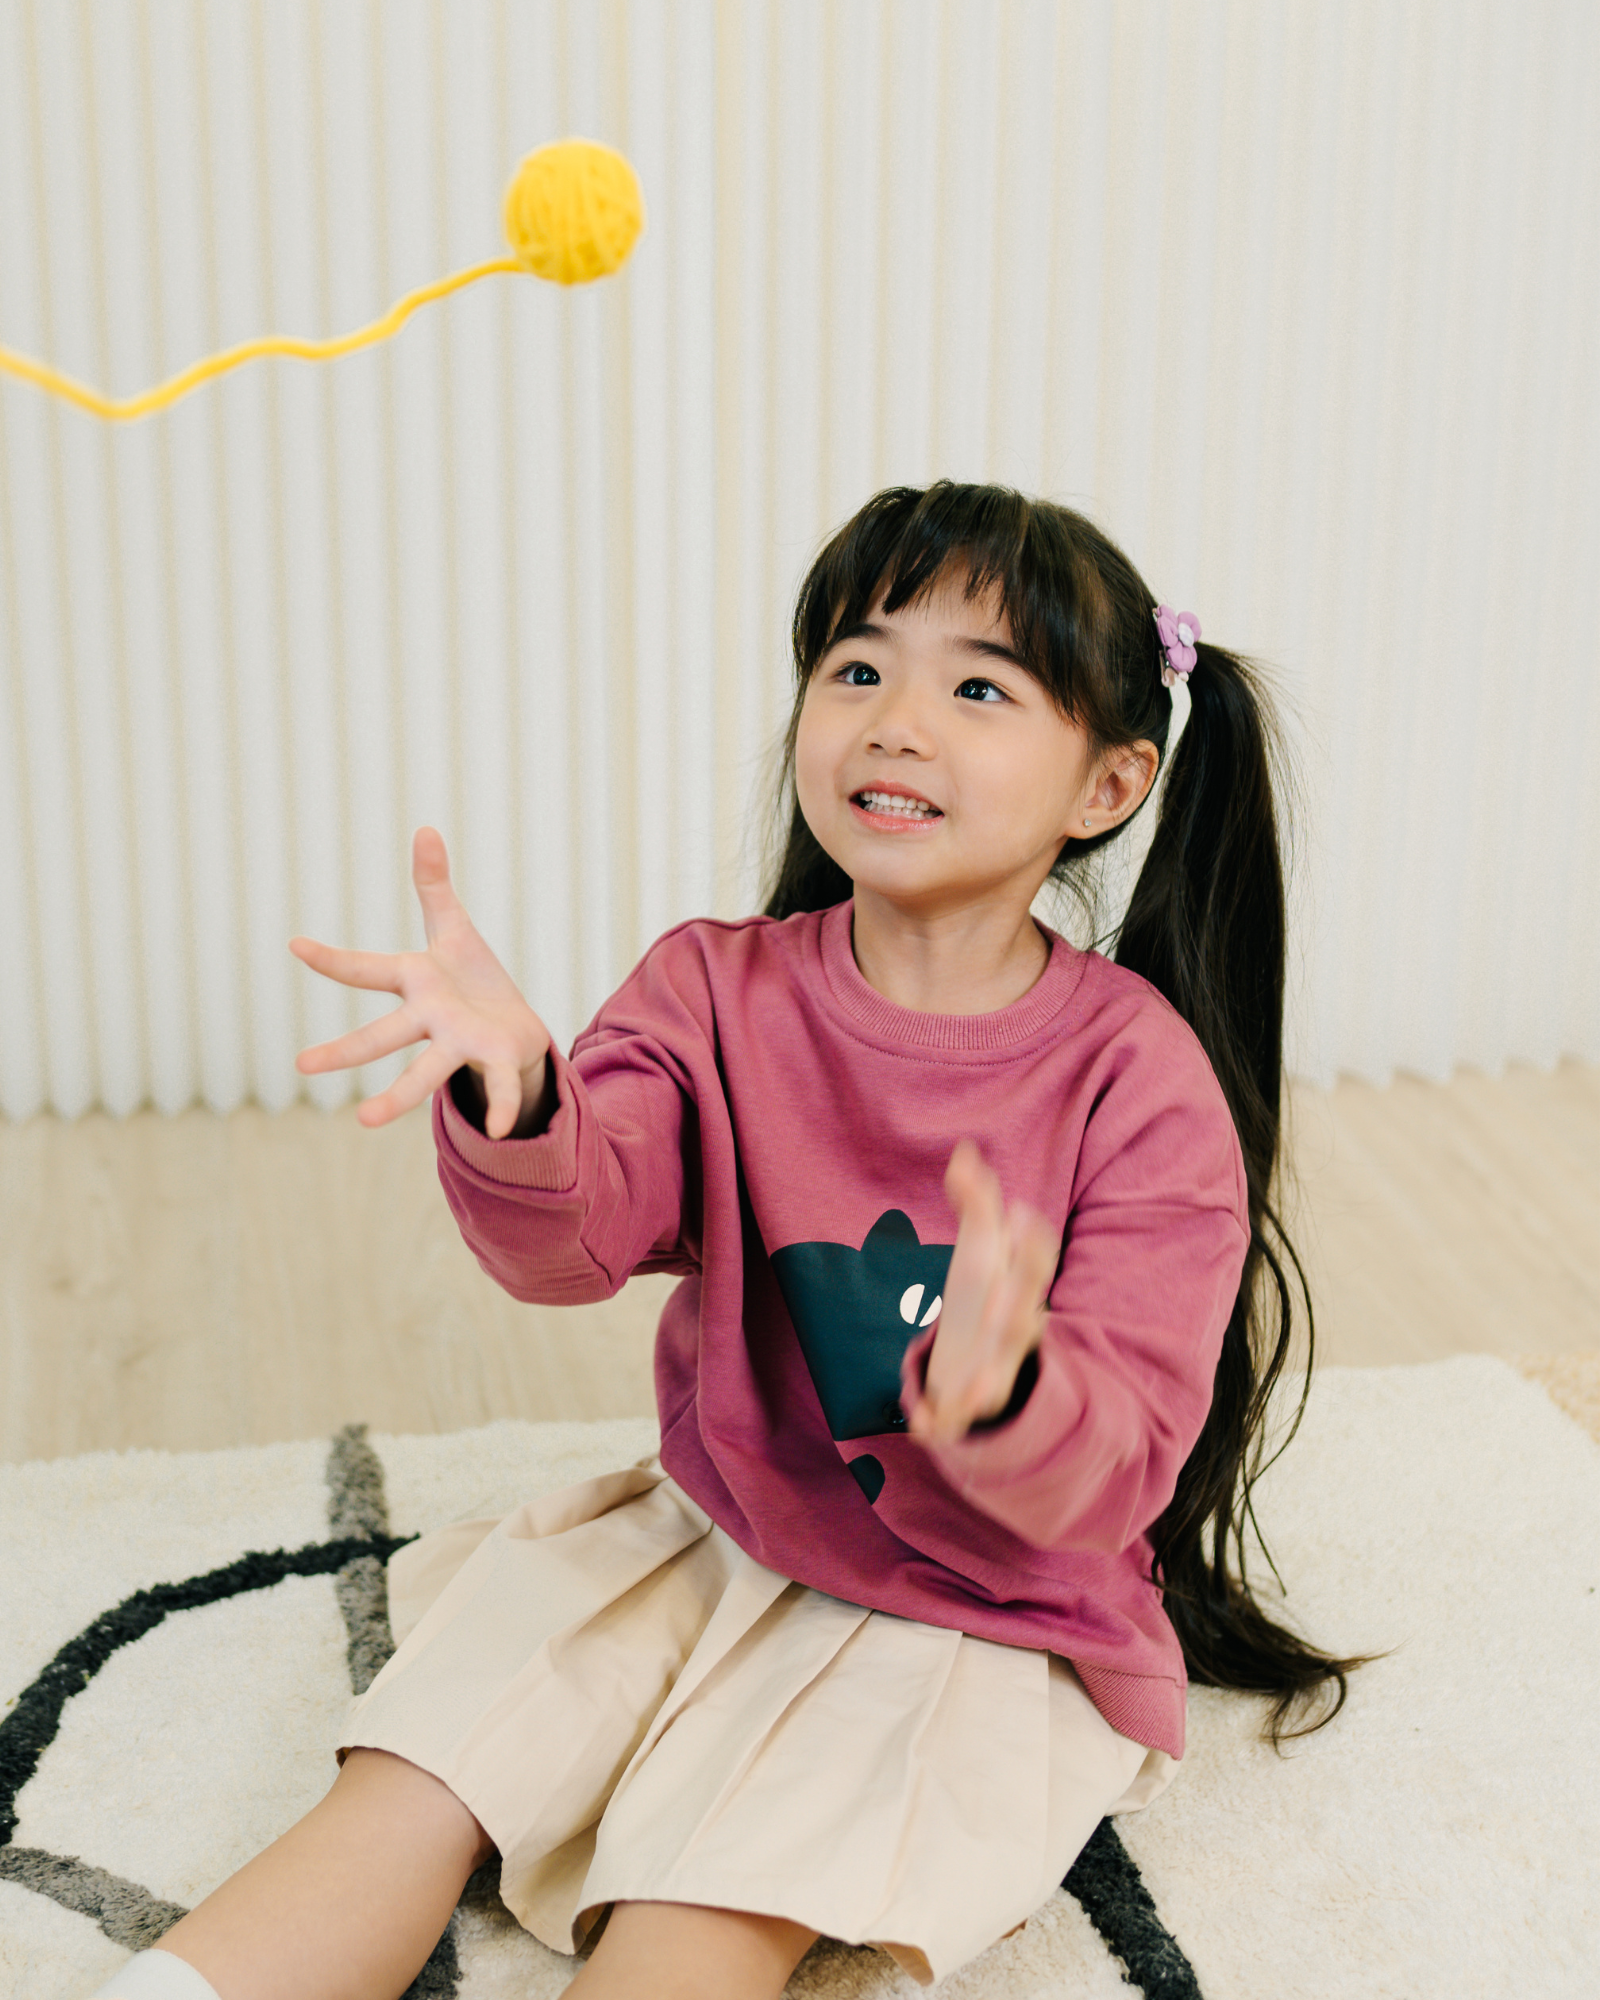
<point>636,1711</point>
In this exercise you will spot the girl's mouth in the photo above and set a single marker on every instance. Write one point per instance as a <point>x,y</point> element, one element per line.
<point>893,812</point>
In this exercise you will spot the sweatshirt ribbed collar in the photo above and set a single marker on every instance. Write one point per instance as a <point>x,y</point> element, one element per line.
<point>905,1027</point>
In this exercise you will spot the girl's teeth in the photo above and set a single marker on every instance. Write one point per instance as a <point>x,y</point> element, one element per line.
<point>893,802</point>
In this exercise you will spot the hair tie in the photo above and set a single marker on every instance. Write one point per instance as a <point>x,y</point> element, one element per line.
<point>1179,630</point>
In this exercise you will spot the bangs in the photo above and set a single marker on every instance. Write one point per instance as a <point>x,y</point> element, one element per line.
<point>906,542</point>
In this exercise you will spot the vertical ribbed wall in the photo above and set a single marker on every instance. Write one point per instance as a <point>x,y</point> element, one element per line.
<point>1301,301</point>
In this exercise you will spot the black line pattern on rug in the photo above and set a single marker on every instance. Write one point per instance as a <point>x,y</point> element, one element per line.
<point>126,1911</point>
<point>357,1506</point>
<point>32,1724</point>
<point>1105,1879</point>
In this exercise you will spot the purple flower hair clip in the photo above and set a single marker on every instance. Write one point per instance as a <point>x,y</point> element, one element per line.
<point>1179,630</point>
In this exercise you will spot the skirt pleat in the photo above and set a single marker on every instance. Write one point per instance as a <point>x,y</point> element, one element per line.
<point>636,1710</point>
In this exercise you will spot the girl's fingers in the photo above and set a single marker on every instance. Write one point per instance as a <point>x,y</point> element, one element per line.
<point>974,1192</point>
<point>419,1080</point>
<point>1011,1326</point>
<point>362,1045</point>
<point>1021,1276</point>
<point>1011,1337</point>
<point>374,971</point>
<point>430,875</point>
<point>1009,1264</point>
<point>1039,1252</point>
<point>974,1187</point>
<point>502,1089</point>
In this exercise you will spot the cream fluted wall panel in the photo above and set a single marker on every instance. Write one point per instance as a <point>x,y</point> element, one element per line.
<point>1298,297</point>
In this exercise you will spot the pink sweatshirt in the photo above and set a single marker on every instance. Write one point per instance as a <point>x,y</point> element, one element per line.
<point>749,1113</point>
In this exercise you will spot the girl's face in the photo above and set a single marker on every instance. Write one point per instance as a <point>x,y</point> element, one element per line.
<point>932,767</point>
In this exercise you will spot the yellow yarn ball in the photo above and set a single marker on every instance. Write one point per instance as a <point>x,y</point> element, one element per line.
<point>573,211</point>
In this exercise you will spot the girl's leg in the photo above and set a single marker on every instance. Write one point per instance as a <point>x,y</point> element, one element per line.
<point>682,1951</point>
<point>349,1903</point>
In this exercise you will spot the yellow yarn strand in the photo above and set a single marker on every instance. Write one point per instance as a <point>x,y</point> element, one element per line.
<point>120,409</point>
<point>573,213</point>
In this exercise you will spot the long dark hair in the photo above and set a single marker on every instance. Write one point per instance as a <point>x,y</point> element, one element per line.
<point>1206,927</point>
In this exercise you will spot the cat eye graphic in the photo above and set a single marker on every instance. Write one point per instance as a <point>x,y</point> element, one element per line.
<point>910,1299</point>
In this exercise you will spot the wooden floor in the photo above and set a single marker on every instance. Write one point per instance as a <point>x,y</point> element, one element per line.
<point>200,1281</point>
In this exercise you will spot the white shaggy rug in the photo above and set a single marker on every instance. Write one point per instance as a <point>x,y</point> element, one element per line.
<point>1442,1838</point>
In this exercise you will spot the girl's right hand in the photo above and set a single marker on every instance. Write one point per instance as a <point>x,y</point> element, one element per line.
<point>456,995</point>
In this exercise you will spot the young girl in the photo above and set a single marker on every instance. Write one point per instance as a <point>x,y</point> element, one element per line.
<point>962,1389</point>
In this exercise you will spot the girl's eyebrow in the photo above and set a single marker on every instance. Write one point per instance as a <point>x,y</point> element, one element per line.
<point>862,629</point>
<point>988,649</point>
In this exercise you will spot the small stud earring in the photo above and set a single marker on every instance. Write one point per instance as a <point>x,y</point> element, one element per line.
<point>1086,822</point>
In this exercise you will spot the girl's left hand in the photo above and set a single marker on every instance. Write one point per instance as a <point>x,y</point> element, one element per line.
<point>993,1313</point>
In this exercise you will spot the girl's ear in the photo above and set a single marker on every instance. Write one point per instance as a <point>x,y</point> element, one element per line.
<point>1126,775</point>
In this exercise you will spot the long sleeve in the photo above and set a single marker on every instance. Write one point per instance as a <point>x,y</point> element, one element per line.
<point>569,1215</point>
<point>1148,1277</point>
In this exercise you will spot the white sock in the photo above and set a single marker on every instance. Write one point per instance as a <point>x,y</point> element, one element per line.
<point>156,1975</point>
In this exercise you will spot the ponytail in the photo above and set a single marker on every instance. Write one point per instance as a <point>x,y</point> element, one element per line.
<point>1206,926</point>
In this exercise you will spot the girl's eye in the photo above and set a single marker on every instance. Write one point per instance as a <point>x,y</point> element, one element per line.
<point>980,690</point>
<point>868,675</point>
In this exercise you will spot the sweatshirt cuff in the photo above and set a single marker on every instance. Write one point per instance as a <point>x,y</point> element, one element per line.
<point>1011,1447</point>
<point>548,1161</point>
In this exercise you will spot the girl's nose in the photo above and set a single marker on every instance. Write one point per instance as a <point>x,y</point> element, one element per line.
<point>899,728</point>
